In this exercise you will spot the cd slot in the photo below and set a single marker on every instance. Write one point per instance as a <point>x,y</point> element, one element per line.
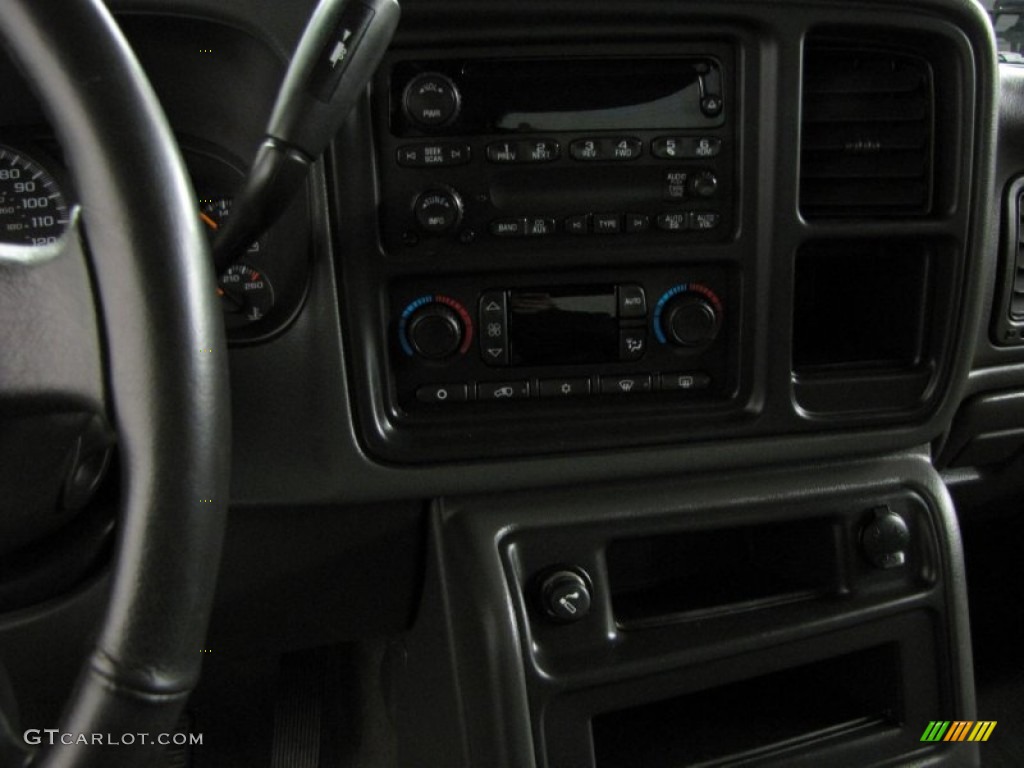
<point>532,189</point>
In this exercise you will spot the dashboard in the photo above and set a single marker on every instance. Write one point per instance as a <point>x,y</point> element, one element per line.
<point>756,323</point>
<point>587,299</point>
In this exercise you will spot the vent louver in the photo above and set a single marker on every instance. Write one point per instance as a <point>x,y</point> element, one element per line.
<point>867,140</point>
<point>1017,289</point>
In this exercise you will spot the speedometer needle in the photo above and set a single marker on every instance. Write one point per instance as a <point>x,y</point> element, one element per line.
<point>209,222</point>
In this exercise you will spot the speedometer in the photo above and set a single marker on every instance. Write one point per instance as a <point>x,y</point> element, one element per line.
<point>33,209</point>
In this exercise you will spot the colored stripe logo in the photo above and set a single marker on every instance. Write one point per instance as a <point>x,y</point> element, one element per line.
<point>958,730</point>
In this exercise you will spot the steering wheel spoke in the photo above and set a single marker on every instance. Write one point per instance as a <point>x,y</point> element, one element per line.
<point>52,359</point>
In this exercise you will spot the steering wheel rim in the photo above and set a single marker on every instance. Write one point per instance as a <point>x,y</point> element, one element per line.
<point>166,372</point>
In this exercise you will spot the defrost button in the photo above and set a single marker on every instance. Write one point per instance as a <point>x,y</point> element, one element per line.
<point>685,382</point>
<point>625,385</point>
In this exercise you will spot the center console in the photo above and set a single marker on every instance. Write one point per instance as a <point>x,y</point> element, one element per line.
<point>611,245</point>
<point>715,230</point>
<point>557,240</point>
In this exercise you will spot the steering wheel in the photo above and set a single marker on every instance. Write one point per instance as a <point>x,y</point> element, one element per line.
<point>157,366</point>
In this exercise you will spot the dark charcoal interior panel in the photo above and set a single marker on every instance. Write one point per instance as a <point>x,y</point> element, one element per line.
<point>470,201</point>
<point>603,684</point>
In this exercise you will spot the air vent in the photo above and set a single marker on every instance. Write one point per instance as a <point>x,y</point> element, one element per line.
<point>867,138</point>
<point>1017,288</point>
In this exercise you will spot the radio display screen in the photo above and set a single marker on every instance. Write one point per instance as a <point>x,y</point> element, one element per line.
<point>563,326</point>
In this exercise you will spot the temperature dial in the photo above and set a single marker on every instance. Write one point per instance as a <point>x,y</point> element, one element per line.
<point>689,315</point>
<point>435,328</point>
<point>435,332</point>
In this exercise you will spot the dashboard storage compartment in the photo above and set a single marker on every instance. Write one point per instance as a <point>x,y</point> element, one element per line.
<point>869,322</point>
<point>696,573</point>
<point>854,694</point>
<point>860,305</point>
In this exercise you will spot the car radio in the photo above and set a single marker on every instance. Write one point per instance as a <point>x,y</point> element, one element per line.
<point>480,153</point>
<point>496,170</point>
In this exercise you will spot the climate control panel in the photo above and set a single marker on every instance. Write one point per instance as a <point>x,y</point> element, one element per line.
<point>664,332</point>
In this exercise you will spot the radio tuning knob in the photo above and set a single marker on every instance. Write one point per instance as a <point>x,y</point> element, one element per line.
<point>438,211</point>
<point>435,331</point>
<point>691,321</point>
<point>431,100</point>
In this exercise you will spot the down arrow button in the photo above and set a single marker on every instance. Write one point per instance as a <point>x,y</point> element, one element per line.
<point>493,320</point>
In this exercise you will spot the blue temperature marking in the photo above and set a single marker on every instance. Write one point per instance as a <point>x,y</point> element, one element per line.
<point>665,298</point>
<point>403,339</point>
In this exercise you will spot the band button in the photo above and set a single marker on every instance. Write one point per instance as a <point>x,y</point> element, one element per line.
<point>508,227</point>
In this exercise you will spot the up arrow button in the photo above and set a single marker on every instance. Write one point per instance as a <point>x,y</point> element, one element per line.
<point>493,322</point>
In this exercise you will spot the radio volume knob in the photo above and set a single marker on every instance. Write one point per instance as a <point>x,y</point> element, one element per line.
<point>691,321</point>
<point>435,331</point>
<point>431,100</point>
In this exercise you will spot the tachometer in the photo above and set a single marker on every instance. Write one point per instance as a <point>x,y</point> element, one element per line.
<point>33,209</point>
